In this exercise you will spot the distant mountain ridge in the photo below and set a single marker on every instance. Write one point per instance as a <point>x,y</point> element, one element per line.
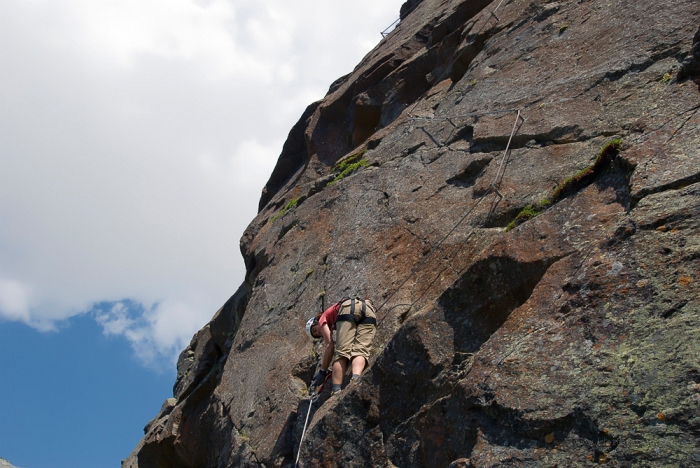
<point>516,186</point>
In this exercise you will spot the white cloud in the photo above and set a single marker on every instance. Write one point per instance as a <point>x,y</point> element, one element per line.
<point>135,138</point>
<point>115,320</point>
<point>14,300</point>
<point>158,333</point>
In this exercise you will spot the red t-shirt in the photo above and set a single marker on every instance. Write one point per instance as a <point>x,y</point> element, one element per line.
<point>329,316</point>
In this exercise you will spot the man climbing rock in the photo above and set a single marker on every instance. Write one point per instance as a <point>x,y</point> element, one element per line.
<point>356,323</point>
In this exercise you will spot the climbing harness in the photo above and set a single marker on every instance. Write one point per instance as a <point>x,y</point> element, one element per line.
<point>316,392</point>
<point>351,316</point>
<point>312,398</point>
<point>344,317</point>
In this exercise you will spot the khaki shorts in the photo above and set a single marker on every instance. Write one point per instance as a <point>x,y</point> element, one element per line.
<point>353,339</point>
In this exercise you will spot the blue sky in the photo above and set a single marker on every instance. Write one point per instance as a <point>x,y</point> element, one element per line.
<point>135,138</point>
<point>73,398</point>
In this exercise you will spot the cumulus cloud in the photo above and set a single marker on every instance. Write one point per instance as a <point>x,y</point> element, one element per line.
<point>14,300</point>
<point>156,334</point>
<point>135,138</point>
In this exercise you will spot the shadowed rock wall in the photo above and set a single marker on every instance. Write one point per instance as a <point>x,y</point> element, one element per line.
<point>571,339</point>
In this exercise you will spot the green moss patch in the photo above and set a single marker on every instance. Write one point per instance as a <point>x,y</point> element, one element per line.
<point>585,176</point>
<point>348,165</point>
<point>571,185</point>
<point>529,212</point>
<point>341,165</point>
<point>349,169</point>
<point>290,205</point>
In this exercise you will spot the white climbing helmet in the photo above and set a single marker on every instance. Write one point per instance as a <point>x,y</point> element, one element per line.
<point>309,324</point>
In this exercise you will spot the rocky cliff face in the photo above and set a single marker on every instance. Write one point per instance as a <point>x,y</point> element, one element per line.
<point>538,279</point>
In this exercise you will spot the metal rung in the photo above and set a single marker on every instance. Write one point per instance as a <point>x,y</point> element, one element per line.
<point>494,14</point>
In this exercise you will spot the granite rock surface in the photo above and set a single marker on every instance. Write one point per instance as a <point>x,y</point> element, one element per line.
<point>568,338</point>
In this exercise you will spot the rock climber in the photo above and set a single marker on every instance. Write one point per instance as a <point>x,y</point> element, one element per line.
<point>355,322</point>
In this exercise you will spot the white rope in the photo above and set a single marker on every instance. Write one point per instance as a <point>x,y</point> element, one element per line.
<point>308,413</point>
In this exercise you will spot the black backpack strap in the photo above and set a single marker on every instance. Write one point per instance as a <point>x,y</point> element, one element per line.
<point>351,316</point>
<point>370,320</point>
<point>347,317</point>
<point>365,319</point>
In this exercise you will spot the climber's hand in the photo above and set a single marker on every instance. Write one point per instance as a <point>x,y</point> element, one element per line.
<point>319,378</point>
